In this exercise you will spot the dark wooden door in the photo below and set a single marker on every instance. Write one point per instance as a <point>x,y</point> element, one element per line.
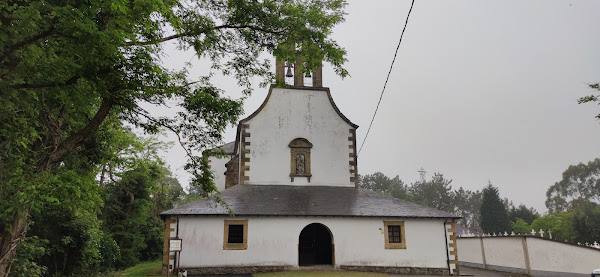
<point>315,245</point>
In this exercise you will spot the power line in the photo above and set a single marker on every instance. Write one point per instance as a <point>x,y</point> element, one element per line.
<point>388,77</point>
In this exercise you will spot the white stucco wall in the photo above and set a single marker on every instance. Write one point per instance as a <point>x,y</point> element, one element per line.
<point>217,166</point>
<point>295,113</point>
<point>274,241</point>
<point>546,258</point>
<point>559,257</point>
<point>469,250</point>
<point>504,252</point>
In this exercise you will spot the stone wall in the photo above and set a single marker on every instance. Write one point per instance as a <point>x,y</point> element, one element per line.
<point>232,175</point>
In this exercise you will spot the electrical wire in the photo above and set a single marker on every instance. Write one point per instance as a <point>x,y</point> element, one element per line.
<point>388,77</point>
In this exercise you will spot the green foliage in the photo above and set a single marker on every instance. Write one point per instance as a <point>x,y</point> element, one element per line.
<point>436,193</point>
<point>380,183</point>
<point>580,181</point>
<point>128,215</point>
<point>494,218</point>
<point>523,213</point>
<point>69,70</point>
<point>139,270</point>
<point>29,250</point>
<point>586,221</point>
<point>166,195</point>
<point>591,98</point>
<point>559,223</point>
<point>519,226</point>
<point>467,204</point>
<point>73,241</point>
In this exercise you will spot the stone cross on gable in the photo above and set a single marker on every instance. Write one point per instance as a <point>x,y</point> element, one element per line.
<point>541,233</point>
<point>532,232</point>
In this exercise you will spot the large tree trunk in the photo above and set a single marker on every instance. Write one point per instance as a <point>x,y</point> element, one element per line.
<point>9,239</point>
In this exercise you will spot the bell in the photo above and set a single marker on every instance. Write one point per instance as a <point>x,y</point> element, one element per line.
<point>307,74</point>
<point>289,70</point>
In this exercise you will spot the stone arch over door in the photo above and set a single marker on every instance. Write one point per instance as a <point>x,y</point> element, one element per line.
<point>315,245</point>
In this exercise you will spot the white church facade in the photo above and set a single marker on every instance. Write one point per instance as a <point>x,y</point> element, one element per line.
<point>291,179</point>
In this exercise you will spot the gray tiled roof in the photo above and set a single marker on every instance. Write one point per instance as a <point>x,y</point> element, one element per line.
<point>247,200</point>
<point>227,147</point>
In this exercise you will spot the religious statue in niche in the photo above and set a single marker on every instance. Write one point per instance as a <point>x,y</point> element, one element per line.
<point>300,158</point>
<point>300,169</point>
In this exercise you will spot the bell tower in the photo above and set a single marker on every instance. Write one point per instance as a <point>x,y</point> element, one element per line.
<point>283,70</point>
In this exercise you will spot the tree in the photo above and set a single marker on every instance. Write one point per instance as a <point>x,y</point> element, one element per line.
<point>467,204</point>
<point>494,218</point>
<point>519,226</point>
<point>128,214</point>
<point>72,240</point>
<point>591,98</point>
<point>65,67</point>
<point>436,193</point>
<point>580,181</point>
<point>559,223</point>
<point>586,221</point>
<point>522,212</point>
<point>380,183</point>
<point>167,194</point>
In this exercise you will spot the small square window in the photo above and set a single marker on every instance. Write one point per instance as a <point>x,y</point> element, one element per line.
<point>394,235</point>
<point>235,235</point>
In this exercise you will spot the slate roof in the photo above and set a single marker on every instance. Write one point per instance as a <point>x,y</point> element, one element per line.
<point>285,200</point>
<point>227,147</point>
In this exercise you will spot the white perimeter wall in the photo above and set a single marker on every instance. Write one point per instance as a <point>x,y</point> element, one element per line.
<point>294,113</point>
<point>274,241</point>
<point>560,257</point>
<point>504,252</point>
<point>546,257</point>
<point>470,250</point>
<point>217,166</point>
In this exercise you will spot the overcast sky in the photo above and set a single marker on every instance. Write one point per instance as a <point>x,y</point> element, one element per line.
<point>481,90</point>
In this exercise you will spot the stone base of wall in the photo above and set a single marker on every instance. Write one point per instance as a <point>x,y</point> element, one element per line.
<point>235,270</point>
<point>398,270</point>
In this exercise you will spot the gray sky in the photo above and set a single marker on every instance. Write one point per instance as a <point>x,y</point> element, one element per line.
<point>481,90</point>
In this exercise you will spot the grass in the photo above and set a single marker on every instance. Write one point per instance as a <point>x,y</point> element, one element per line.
<point>320,274</point>
<point>140,270</point>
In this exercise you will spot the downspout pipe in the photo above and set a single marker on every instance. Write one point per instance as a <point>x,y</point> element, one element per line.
<point>178,254</point>
<point>446,239</point>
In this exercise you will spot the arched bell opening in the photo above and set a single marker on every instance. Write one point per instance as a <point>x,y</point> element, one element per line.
<point>315,246</point>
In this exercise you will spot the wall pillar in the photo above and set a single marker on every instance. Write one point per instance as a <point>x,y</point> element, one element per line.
<point>298,76</point>
<point>526,256</point>
<point>279,70</point>
<point>482,253</point>
<point>317,77</point>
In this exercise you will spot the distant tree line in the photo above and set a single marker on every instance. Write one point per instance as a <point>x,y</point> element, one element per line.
<point>479,210</point>
<point>573,203</point>
<point>436,193</point>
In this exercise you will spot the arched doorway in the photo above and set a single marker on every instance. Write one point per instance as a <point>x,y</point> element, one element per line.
<point>315,245</point>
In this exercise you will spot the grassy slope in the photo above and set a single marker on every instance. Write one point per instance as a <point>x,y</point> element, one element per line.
<point>140,270</point>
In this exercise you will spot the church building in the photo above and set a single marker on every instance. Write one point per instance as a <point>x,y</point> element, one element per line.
<point>291,181</point>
